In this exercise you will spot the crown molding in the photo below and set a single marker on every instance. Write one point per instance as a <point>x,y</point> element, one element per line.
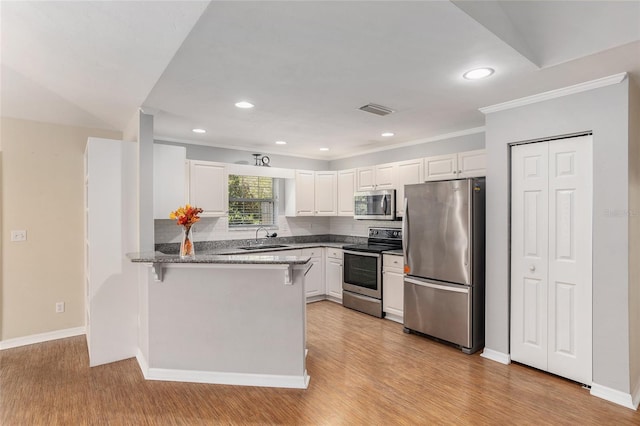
<point>552,94</point>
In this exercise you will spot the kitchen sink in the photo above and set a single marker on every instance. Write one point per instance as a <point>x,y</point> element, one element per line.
<point>262,247</point>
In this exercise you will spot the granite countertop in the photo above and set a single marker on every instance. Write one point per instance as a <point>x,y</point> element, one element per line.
<point>230,251</point>
<point>255,259</point>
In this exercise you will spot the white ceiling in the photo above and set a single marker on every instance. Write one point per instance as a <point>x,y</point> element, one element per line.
<point>307,66</point>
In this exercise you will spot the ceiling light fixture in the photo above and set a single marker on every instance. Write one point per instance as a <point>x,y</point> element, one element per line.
<point>199,131</point>
<point>281,143</point>
<point>387,134</point>
<point>324,149</point>
<point>478,73</point>
<point>244,104</point>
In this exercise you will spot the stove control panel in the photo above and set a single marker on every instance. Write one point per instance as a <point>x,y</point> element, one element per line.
<point>385,233</point>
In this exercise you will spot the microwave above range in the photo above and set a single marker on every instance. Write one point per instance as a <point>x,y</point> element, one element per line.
<point>375,205</point>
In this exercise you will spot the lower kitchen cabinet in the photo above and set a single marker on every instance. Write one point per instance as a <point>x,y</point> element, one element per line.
<point>314,280</point>
<point>333,273</point>
<point>393,287</point>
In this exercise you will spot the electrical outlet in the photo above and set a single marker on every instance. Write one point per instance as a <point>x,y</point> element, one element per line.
<point>19,235</point>
<point>59,307</point>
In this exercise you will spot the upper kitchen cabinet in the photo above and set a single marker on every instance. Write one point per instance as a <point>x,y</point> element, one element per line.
<point>169,179</point>
<point>326,197</point>
<point>453,166</point>
<point>381,176</point>
<point>346,188</point>
<point>312,193</point>
<point>300,194</point>
<point>407,173</point>
<point>472,163</point>
<point>208,188</point>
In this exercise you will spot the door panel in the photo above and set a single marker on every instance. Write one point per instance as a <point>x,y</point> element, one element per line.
<point>529,253</point>
<point>570,299</point>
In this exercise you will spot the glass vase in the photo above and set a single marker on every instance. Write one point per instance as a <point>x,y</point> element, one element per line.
<point>187,251</point>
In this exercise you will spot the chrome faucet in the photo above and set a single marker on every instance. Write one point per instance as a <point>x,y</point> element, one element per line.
<point>268,235</point>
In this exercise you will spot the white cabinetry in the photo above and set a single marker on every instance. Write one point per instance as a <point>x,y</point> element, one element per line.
<point>346,188</point>
<point>326,197</point>
<point>453,166</point>
<point>393,287</point>
<point>314,280</point>
<point>407,173</point>
<point>312,193</point>
<point>472,163</point>
<point>169,179</point>
<point>333,273</point>
<point>381,176</point>
<point>385,176</point>
<point>208,188</point>
<point>110,232</point>
<point>300,194</point>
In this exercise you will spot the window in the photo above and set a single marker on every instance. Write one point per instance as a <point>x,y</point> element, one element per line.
<point>252,201</point>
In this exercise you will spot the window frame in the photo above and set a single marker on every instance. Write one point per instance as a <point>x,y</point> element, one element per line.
<point>273,200</point>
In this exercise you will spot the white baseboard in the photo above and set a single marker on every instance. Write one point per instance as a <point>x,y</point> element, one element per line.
<point>221,378</point>
<point>142,362</point>
<point>615,396</point>
<point>500,357</point>
<point>394,318</point>
<point>42,337</point>
<point>635,396</point>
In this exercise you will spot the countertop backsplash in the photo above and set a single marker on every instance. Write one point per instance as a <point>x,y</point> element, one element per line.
<point>213,233</point>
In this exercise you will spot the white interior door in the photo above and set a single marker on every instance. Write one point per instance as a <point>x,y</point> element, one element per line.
<point>529,253</point>
<point>570,276</point>
<point>551,280</point>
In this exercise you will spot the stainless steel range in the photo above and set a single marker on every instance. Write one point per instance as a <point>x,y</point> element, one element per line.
<point>362,273</point>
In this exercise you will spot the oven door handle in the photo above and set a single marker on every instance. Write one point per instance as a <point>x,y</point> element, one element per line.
<point>361,253</point>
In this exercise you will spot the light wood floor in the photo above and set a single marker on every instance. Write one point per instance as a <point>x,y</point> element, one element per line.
<point>363,371</point>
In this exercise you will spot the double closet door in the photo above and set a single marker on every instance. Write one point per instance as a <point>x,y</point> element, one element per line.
<point>551,246</point>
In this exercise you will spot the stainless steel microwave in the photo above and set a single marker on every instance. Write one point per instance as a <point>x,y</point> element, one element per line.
<point>376,205</point>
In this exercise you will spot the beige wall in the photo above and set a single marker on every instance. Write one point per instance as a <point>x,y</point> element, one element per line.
<point>42,192</point>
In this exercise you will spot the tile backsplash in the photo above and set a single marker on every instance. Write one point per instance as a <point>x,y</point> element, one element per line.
<point>215,229</point>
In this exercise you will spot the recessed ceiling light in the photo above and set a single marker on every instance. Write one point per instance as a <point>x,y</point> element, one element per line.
<point>478,73</point>
<point>281,143</point>
<point>199,131</point>
<point>324,149</point>
<point>244,104</point>
<point>387,134</point>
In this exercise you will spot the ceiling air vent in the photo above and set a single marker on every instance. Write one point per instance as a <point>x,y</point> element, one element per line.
<point>376,109</point>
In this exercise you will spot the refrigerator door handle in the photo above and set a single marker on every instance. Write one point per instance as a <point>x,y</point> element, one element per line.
<point>405,234</point>
<point>437,286</point>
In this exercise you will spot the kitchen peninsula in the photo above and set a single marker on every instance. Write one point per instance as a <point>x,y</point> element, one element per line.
<point>225,319</point>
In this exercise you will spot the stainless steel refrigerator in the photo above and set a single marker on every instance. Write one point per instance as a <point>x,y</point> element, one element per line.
<point>443,243</point>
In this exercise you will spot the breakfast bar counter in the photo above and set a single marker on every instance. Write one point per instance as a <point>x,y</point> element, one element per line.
<point>237,319</point>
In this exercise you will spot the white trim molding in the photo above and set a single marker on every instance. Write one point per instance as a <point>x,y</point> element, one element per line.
<point>222,378</point>
<point>552,94</point>
<point>635,396</point>
<point>42,337</point>
<point>496,356</point>
<point>615,396</point>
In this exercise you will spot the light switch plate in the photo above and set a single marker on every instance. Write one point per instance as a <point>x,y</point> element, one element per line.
<point>19,235</point>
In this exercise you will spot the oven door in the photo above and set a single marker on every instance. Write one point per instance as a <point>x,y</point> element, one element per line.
<point>362,273</point>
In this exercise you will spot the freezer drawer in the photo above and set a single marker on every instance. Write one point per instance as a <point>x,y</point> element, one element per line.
<point>439,309</point>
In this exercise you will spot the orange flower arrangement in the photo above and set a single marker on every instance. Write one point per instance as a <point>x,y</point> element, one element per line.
<point>186,216</point>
